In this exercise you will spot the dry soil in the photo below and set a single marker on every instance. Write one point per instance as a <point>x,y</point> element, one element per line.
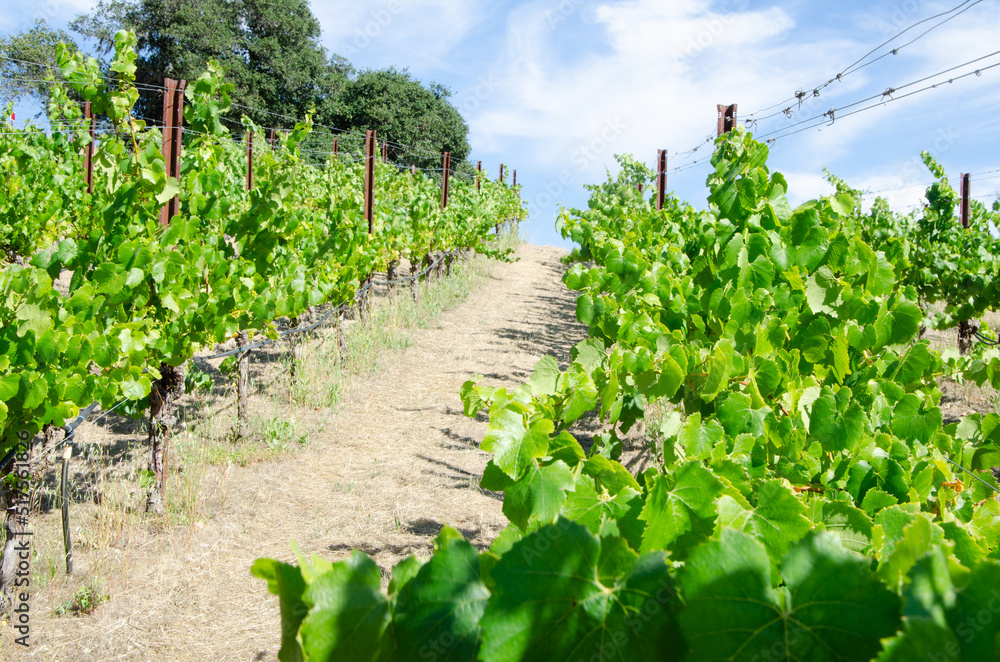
<point>395,463</point>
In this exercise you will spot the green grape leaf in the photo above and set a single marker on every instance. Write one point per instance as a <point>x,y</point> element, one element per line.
<point>34,319</point>
<point>610,475</point>
<point>438,611</point>
<point>287,583</point>
<point>900,324</point>
<point>822,291</point>
<point>944,624</point>
<point>979,601</point>
<point>914,364</point>
<point>582,393</point>
<point>670,379</point>
<point>836,421</point>
<point>832,608</point>
<point>592,507</point>
<point>850,524</point>
<point>136,389</point>
<point>403,572</point>
<point>737,415</point>
<point>876,500</point>
<point>899,556</point>
<point>928,597</point>
<point>680,509</point>
<point>539,494</point>
<point>914,419</point>
<point>513,444</point>
<point>778,521</point>
<point>35,392</point>
<point>967,549</point>
<point>985,523</point>
<point>585,309</point>
<point>718,370</point>
<point>699,439</point>
<point>10,384</point>
<point>552,604</point>
<point>545,377</point>
<point>589,353</point>
<point>171,187</point>
<point>348,614</point>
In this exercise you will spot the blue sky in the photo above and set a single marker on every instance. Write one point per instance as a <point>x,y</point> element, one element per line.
<point>555,88</point>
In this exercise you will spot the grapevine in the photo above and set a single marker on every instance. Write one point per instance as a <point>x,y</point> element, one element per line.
<point>138,299</point>
<point>808,501</point>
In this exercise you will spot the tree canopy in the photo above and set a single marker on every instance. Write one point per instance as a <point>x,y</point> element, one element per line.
<point>271,52</point>
<point>404,111</point>
<point>27,59</point>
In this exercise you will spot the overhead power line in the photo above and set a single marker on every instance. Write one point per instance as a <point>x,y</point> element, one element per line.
<point>860,63</point>
<point>889,96</point>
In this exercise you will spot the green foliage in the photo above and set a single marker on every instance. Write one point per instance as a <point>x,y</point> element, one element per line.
<point>805,506</point>
<point>270,49</point>
<point>197,380</point>
<point>403,111</point>
<point>829,608</point>
<point>272,55</point>
<point>140,296</point>
<point>84,601</point>
<point>27,61</point>
<point>932,252</point>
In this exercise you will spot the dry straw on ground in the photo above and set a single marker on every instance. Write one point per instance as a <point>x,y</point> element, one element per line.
<point>387,460</point>
<point>377,462</point>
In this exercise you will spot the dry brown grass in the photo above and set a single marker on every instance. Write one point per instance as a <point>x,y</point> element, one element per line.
<point>962,399</point>
<point>387,460</point>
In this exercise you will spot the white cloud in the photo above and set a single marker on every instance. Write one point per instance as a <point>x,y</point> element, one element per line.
<point>903,191</point>
<point>57,13</point>
<point>804,186</point>
<point>657,69</point>
<point>419,33</point>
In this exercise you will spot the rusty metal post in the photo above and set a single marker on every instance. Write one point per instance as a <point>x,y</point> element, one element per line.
<point>661,178</point>
<point>250,160</point>
<point>370,147</point>
<point>966,328</point>
<point>371,151</point>
<point>173,125</point>
<point>501,183</point>
<point>445,171</point>
<point>273,139</point>
<point>479,170</point>
<point>88,152</point>
<point>385,151</point>
<point>726,118</point>
<point>67,538</point>
<point>966,200</point>
<point>334,149</point>
<point>168,137</point>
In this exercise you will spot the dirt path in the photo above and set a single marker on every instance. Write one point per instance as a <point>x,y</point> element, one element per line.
<point>397,461</point>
